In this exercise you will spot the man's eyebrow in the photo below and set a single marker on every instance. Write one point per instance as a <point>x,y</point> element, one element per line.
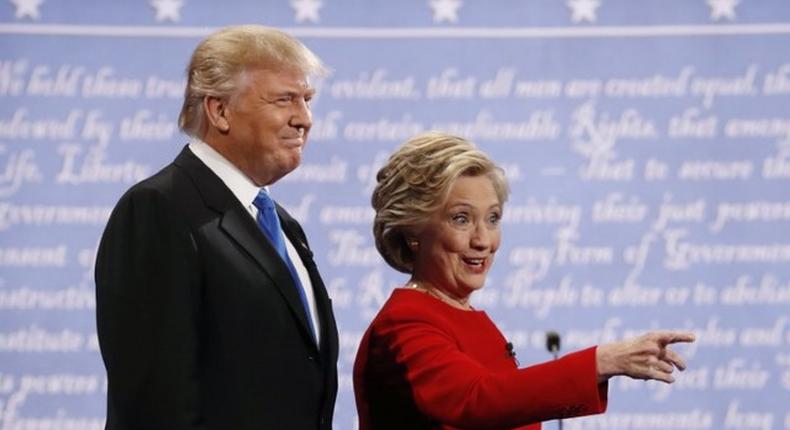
<point>291,92</point>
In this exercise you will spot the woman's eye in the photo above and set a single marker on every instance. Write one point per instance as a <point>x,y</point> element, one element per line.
<point>494,218</point>
<point>461,219</point>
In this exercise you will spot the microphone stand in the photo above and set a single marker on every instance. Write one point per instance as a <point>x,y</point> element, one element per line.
<point>553,345</point>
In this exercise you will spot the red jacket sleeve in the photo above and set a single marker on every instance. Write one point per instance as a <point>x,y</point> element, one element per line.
<point>454,389</point>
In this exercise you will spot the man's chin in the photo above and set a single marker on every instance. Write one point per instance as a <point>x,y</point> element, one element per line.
<point>296,160</point>
<point>293,164</point>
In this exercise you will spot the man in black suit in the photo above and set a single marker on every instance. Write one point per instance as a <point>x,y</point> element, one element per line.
<point>202,323</point>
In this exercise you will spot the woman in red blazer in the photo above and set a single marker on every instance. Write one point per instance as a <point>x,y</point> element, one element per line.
<point>429,360</point>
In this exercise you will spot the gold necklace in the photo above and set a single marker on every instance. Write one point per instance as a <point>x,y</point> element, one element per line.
<point>442,297</point>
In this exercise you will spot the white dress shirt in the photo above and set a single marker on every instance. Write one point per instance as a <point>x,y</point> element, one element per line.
<point>245,190</point>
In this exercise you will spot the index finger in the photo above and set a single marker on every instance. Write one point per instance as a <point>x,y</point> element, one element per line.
<point>669,337</point>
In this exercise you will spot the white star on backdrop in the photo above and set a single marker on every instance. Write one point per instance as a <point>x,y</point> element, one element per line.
<point>583,10</point>
<point>306,10</point>
<point>722,9</point>
<point>27,8</point>
<point>445,10</point>
<point>167,9</point>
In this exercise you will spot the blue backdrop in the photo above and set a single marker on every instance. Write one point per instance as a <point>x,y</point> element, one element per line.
<point>647,144</point>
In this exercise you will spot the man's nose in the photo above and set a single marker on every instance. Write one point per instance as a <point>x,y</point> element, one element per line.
<point>301,117</point>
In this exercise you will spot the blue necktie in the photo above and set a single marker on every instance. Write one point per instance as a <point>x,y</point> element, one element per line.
<point>270,224</point>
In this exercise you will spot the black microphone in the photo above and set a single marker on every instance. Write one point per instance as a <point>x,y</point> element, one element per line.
<point>553,343</point>
<point>511,352</point>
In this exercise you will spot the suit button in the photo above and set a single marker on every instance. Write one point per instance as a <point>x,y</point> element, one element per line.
<point>311,358</point>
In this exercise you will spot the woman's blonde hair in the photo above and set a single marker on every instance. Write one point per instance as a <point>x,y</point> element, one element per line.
<point>415,183</point>
<point>219,61</point>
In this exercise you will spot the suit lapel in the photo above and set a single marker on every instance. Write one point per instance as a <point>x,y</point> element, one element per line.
<point>237,223</point>
<point>329,341</point>
<point>293,231</point>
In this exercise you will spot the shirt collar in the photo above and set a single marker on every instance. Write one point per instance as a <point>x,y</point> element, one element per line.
<point>240,184</point>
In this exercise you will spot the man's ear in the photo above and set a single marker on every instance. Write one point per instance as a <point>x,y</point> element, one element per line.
<point>217,113</point>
